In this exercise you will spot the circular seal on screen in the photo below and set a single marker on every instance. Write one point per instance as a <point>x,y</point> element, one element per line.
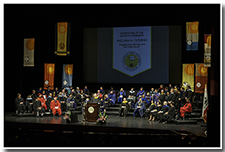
<point>46,82</point>
<point>189,42</point>
<point>91,109</point>
<point>198,84</point>
<point>131,61</point>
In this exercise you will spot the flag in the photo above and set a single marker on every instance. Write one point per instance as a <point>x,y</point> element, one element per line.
<point>49,75</point>
<point>188,75</point>
<point>207,50</point>
<point>62,39</point>
<point>192,36</point>
<point>28,58</point>
<point>205,105</point>
<point>67,76</point>
<point>201,77</point>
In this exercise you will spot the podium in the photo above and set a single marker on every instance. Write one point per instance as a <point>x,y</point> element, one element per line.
<point>91,112</point>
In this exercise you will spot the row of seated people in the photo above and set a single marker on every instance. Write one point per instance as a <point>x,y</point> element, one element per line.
<point>79,96</point>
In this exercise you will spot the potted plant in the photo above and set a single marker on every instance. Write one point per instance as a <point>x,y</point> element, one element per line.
<point>102,118</point>
<point>67,116</point>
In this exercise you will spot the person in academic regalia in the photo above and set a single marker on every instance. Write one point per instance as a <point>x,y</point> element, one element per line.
<point>170,87</point>
<point>102,107</point>
<point>172,96</point>
<point>62,100</point>
<point>152,92</point>
<point>102,91</point>
<point>95,99</point>
<point>131,101</point>
<point>123,108</point>
<point>161,87</point>
<point>153,112</point>
<point>148,99</point>
<point>40,90</point>
<point>56,91</point>
<point>112,90</point>
<point>106,100</point>
<point>64,93</point>
<point>133,95</point>
<point>78,90</point>
<point>149,109</point>
<point>48,91</point>
<point>166,98</point>
<point>73,92</point>
<point>49,99</point>
<point>69,91</point>
<point>86,92</point>
<point>121,94</point>
<point>164,109</point>
<point>139,106</point>
<point>55,107</point>
<point>166,90</point>
<point>156,96</point>
<point>143,98</point>
<point>44,95</point>
<point>141,92</point>
<point>188,93</point>
<point>84,105</point>
<point>38,109</point>
<point>186,108</point>
<point>99,95</point>
<point>71,100</point>
<point>112,98</point>
<point>162,95</point>
<point>168,116</point>
<point>175,88</point>
<point>43,102</point>
<point>28,103</point>
<point>34,95</point>
<point>82,96</point>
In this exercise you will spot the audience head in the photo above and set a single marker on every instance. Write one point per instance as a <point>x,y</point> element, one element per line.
<point>111,88</point>
<point>161,86</point>
<point>166,88</point>
<point>29,96</point>
<point>94,95</point>
<point>105,96</point>
<point>37,99</point>
<point>40,95</point>
<point>159,102</point>
<point>78,88</point>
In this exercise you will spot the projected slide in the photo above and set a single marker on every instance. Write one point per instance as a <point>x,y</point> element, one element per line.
<point>132,49</point>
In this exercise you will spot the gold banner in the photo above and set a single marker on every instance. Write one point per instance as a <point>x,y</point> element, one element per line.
<point>62,28</point>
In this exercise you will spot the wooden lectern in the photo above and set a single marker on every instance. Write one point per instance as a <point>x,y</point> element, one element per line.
<point>91,112</point>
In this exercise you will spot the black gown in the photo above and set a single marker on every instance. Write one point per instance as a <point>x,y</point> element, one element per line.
<point>159,115</point>
<point>123,110</point>
<point>63,105</point>
<point>37,104</point>
<point>19,107</point>
<point>168,117</point>
<point>148,110</point>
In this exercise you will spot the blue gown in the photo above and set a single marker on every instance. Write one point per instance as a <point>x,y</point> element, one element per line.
<point>139,110</point>
<point>140,93</point>
<point>74,105</point>
<point>155,97</point>
<point>113,97</point>
<point>148,99</point>
<point>120,99</point>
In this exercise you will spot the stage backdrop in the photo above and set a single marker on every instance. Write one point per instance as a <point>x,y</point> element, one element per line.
<point>62,39</point>
<point>201,77</point>
<point>192,36</point>
<point>49,75</point>
<point>28,58</point>
<point>207,50</point>
<point>67,76</point>
<point>188,75</point>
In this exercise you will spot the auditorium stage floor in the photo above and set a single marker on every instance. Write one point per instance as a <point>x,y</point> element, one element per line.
<point>113,121</point>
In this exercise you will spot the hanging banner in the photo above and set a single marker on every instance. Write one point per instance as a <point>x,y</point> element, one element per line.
<point>192,36</point>
<point>205,105</point>
<point>67,76</point>
<point>207,50</point>
<point>201,77</point>
<point>132,49</point>
<point>188,75</point>
<point>49,75</point>
<point>62,39</point>
<point>28,58</point>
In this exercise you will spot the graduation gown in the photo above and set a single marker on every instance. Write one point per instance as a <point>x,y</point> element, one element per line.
<point>28,106</point>
<point>155,97</point>
<point>49,99</point>
<point>157,108</point>
<point>165,108</point>
<point>43,103</point>
<point>148,99</point>
<point>94,100</point>
<point>140,93</point>
<point>186,108</point>
<point>36,105</point>
<point>168,117</point>
<point>63,105</point>
<point>113,98</point>
<point>19,107</point>
<point>73,105</point>
<point>34,96</point>
<point>120,95</point>
<point>53,106</point>
<point>102,92</point>
<point>123,110</point>
<point>162,97</point>
<point>86,91</point>
<point>149,109</point>
<point>139,110</point>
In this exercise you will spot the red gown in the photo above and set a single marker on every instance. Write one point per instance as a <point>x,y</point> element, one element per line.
<point>54,104</point>
<point>186,108</point>
<point>42,100</point>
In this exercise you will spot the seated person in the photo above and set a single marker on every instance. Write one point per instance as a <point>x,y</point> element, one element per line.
<point>141,92</point>
<point>166,90</point>
<point>19,103</point>
<point>123,108</point>
<point>133,94</point>
<point>112,90</point>
<point>102,91</point>
<point>49,99</point>
<point>156,96</point>
<point>161,88</point>
<point>143,98</point>
<point>82,95</point>
<point>168,116</point>
<point>148,98</point>
<point>112,98</point>
<point>162,95</point>
<point>164,109</point>
<point>95,99</point>
<point>121,94</point>
<point>62,100</point>
<point>86,92</point>
<point>139,106</point>
<point>152,92</point>
<point>170,87</point>
<point>166,97</point>
<point>153,112</point>
<point>54,94</point>
<point>69,91</point>
<point>56,91</point>
<point>149,109</point>
<point>38,109</point>
<point>28,104</point>
<point>71,100</point>
<point>175,88</point>
<point>63,93</point>
<point>48,91</point>
<point>186,108</point>
<point>106,100</point>
<point>43,102</point>
<point>44,95</point>
<point>55,107</point>
<point>131,101</point>
<point>102,106</point>
<point>78,90</point>
<point>99,95</point>
<point>34,95</point>
<point>40,90</point>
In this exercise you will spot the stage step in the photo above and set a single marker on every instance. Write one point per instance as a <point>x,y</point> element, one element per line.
<point>182,122</point>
